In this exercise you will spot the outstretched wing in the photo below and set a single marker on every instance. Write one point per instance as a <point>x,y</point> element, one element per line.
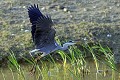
<point>34,13</point>
<point>44,34</point>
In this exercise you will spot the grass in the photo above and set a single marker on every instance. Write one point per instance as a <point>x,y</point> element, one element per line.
<point>13,64</point>
<point>73,65</point>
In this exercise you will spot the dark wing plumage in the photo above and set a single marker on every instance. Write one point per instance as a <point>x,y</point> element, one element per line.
<point>42,32</point>
<point>34,13</point>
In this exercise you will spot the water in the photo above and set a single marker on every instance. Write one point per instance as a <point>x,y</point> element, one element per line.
<point>50,71</point>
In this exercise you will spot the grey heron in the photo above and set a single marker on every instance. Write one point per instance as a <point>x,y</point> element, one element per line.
<point>43,34</point>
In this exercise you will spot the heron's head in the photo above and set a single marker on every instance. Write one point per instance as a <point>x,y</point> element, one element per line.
<point>69,43</point>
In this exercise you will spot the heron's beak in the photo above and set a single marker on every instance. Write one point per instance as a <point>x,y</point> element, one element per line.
<point>77,41</point>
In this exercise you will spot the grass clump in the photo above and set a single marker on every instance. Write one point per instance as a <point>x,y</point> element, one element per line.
<point>72,65</point>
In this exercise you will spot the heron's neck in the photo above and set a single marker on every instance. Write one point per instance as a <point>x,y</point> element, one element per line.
<point>64,47</point>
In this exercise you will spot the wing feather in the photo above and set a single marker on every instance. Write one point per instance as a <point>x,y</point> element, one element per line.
<point>34,13</point>
<point>42,32</point>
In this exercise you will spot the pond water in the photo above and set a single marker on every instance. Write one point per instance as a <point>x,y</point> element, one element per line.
<point>58,71</point>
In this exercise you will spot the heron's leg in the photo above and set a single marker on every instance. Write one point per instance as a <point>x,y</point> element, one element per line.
<point>32,71</point>
<point>38,58</point>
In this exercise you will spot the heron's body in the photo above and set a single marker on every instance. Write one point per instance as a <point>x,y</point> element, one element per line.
<point>43,33</point>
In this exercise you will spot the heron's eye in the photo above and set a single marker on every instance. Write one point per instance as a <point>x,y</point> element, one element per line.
<point>70,41</point>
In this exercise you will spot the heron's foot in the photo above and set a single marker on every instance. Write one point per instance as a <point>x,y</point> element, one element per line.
<point>33,70</point>
<point>38,58</point>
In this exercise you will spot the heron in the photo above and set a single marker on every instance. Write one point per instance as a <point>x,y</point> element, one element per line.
<point>43,34</point>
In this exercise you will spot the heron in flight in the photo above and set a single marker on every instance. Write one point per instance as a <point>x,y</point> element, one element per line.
<point>43,34</point>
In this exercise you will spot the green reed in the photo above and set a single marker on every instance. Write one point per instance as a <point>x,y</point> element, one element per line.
<point>75,57</point>
<point>13,64</point>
